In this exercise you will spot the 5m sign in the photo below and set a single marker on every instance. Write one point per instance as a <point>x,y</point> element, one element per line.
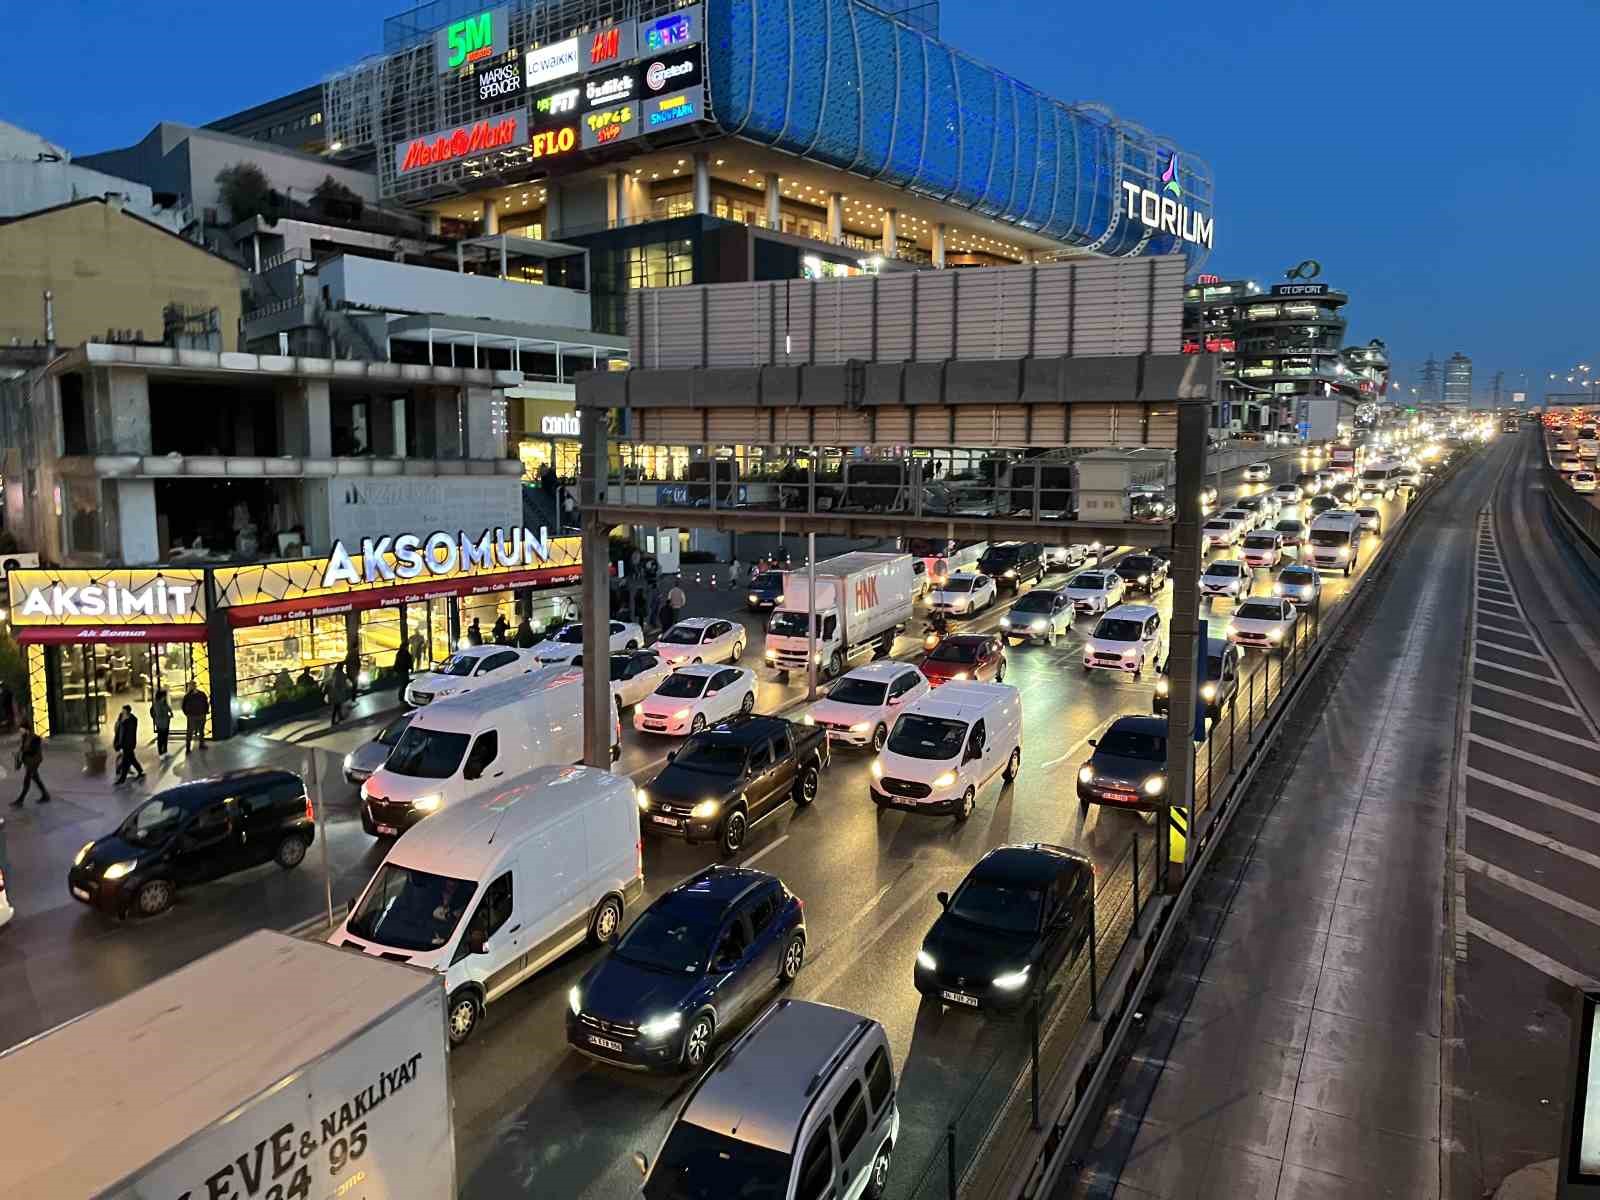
<point>472,39</point>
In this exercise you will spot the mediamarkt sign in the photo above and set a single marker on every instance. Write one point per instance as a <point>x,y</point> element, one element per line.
<point>436,554</point>
<point>464,141</point>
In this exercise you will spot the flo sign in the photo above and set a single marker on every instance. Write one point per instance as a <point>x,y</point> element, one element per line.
<point>413,556</point>
<point>1164,211</point>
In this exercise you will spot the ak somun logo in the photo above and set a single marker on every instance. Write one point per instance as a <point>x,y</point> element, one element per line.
<point>1164,211</point>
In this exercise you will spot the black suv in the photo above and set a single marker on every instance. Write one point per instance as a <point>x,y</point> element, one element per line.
<point>1145,573</point>
<point>193,833</point>
<point>732,776</point>
<point>1011,564</point>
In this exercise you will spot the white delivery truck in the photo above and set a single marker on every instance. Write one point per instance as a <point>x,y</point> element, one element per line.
<point>273,1067</point>
<point>863,600</point>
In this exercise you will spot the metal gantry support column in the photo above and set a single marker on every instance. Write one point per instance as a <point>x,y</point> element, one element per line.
<point>1184,631</point>
<point>594,460</point>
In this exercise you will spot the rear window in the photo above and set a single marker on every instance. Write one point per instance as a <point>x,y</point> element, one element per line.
<point>1260,541</point>
<point>1252,611</point>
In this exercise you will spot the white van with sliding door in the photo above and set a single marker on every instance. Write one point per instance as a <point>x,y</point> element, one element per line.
<point>469,745</point>
<point>494,889</point>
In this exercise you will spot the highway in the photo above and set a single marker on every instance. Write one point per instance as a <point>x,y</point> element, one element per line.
<point>533,1118</point>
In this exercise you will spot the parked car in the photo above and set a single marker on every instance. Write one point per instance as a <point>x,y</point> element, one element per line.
<point>366,758</point>
<point>1128,767</point>
<point>1146,573</point>
<point>729,778</point>
<point>702,640</point>
<point>1040,616</point>
<point>975,656</point>
<point>704,954</point>
<point>694,697</point>
<point>191,834</point>
<point>1021,915</point>
<point>862,705</point>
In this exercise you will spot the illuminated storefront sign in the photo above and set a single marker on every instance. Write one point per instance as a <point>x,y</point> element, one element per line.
<point>409,556</point>
<point>679,108</point>
<point>465,141</point>
<point>1300,289</point>
<point>610,125</point>
<point>555,108</point>
<point>673,73</point>
<point>550,142</point>
<point>1164,211</point>
<point>499,81</point>
<point>682,28</point>
<point>555,61</point>
<point>473,39</point>
<point>113,605</point>
<point>611,89</point>
<point>564,425</point>
<point>613,44</point>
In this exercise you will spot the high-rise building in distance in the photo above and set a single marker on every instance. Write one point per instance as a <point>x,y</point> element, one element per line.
<point>1458,380</point>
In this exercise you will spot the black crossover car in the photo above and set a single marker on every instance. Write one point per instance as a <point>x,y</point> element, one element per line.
<point>707,953</point>
<point>1145,573</point>
<point>766,589</point>
<point>1128,767</point>
<point>193,833</point>
<point>1019,915</point>
<point>1012,564</point>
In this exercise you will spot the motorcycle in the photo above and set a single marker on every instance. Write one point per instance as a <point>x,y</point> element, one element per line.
<point>936,633</point>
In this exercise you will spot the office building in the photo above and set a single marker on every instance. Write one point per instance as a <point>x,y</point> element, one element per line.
<point>1458,380</point>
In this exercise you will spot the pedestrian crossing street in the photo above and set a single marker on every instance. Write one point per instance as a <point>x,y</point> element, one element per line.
<point>1527,870</point>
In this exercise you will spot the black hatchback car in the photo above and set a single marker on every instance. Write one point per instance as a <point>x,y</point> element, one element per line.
<point>766,589</point>
<point>705,954</point>
<point>193,833</point>
<point>1128,767</point>
<point>1021,913</point>
<point>1145,573</point>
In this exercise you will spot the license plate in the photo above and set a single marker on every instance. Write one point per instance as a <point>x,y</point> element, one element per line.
<point>81,894</point>
<point>960,998</point>
<point>605,1043</point>
<point>386,830</point>
<point>670,821</point>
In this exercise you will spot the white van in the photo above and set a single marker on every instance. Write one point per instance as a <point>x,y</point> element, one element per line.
<point>946,746</point>
<point>459,747</point>
<point>494,889</point>
<point>1335,540</point>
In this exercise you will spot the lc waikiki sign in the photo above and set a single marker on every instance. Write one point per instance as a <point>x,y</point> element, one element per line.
<point>410,556</point>
<point>1164,211</point>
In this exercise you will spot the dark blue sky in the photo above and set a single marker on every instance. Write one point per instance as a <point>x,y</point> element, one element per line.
<point>1439,159</point>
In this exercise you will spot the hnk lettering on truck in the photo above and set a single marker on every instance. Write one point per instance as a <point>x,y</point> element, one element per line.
<point>867,593</point>
<point>276,1167</point>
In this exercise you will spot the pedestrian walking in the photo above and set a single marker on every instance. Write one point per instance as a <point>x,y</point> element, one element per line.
<point>526,639</point>
<point>735,570</point>
<point>475,633</point>
<point>161,720</point>
<point>501,625</point>
<point>195,708</point>
<point>30,757</point>
<point>402,671</point>
<point>338,695</point>
<point>676,601</point>
<point>125,741</point>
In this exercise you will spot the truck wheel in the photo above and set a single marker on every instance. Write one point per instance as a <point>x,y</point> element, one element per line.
<point>783,676</point>
<point>968,800</point>
<point>463,1017</point>
<point>605,922</point>
<point>880,735</point>
<point>805,787</point>
<point>733,831</point>
<point>835,665</point>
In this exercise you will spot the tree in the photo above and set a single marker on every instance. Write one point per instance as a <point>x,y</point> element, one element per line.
<point>246,191</point>
<point>333,197</point>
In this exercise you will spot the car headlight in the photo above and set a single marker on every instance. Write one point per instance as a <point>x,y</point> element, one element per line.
<point>1274,635</point>
<point>1144,579</point>
<point>1012,573</point>
<point>877,769</point>
<point>1344,552</point>
<point>771,653</point>
<point>77,860</point>
<point>1232,634</point>
<point>945,780</point>
<point>363,793</point>
<point>961,675</point>
<point>1085,774</point>
<point>1012,981</point>
<point>808,719</point>
<point>659,1027</point>
<point>428,803</point>
<point>1277,589</point>
<point>1005,622</point>
<point>754,599</point>
<point>1208,692</point>
<point>1037,626</point>
<point>118,870</point>
<point>706,809</point>
<point>1163,687</point>
<point>643,798</point>
<point>861,727</point>
<point>926,961</point>
<point>681,715</point>
<point>1154,786</point>
<point>574,1000</point>
<point>348,760</point>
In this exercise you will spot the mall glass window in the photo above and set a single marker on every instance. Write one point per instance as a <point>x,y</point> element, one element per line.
<point>661,264</point>
<point>274,663</point>
<point>677,204</point>
<point>539,453</point>
<point>667,464</point>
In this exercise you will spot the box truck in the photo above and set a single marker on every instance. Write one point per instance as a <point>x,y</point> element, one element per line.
<point>863,600</point>
<point>272,1068</point>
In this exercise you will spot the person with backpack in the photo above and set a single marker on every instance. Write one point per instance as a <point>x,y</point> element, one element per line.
<point>30,757</point>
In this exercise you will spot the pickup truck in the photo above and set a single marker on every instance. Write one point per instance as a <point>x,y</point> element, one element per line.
<point>727,779</point>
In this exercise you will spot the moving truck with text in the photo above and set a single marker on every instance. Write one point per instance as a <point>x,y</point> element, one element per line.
<point>863,600</point>
<point>272,1069</point>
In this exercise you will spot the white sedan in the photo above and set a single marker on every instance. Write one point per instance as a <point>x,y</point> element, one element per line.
<point>1258,472</point>
<point>634,675</point>
<point>702,640</point>
<point>1218,532</point>
<point>1264,622</point>
<point>1582,481</point>
<point>566,643</point>
<point>1094,591</point>
<point>693,697</point>
<point>861,707</point>
<point>1288,494</point>
<point>468,669</point>
<point>963,594</point>
<point>1225,577</point>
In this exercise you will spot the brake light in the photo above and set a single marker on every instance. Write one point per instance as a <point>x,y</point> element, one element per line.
<point>638,854</point>
<point>311,812</point>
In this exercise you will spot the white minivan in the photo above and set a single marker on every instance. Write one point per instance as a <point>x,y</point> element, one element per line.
<point>493,890</point>
<point>946,746</point>
<point>459,747</point>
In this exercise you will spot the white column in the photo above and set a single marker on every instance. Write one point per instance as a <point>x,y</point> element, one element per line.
<point>938,244</point>
<point>835,217</point>
<point>890,223</point>
<point>702,183</point>
<point>774,201</point>
<point>491,218</point>
<point>624,198</point>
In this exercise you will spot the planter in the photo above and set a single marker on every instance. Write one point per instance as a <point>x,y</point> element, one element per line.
<point>94,760</point>
<point>282,710</point>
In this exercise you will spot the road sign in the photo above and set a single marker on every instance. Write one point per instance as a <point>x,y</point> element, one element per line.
<point>1305,429</point>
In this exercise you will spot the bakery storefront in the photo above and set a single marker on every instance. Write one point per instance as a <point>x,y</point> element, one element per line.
<point>288,624</point>
<point>95,640</point>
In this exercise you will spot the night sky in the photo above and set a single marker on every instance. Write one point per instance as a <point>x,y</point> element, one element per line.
<point>1438,159</point>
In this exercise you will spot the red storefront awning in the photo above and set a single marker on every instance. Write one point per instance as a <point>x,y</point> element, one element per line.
<point>62,634</point>
<point>277,611</point>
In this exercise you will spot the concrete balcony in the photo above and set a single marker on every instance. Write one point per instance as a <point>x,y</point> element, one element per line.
<point>380,286</point>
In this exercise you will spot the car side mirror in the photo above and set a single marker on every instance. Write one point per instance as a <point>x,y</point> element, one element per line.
<point>640,1161</point>
<point>1094,741</point>
<point>943,898</point>
<point>672,756</point>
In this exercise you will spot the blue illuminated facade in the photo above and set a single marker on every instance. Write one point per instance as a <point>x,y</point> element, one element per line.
<point>842,84</point>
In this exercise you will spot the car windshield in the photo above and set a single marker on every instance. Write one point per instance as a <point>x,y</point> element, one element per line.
<point>427,753</point>
<point>461,664</point>
<point>1367,512</point>
<point>1260,541</point>
<point>1130,743</point>
<point>1137,564</point>
<point>1289,527</point>
<point>1375,476</point>
<point>955,652</point>
<point>1252,610</point>
<point>868,692</point>
<point>619,665</point>
<point>1213,666</point>
<point>1298,575</point>
<point>1228,570</point>
<point>1219,526</point>
<point>410,909</point>
<point>697,1164</point>
<point>1000,556</point>
<point>1118,630</point>
<point>153,822</point>
<point>958,583</point>
<point>1093,583</point>
<point>711,756</point>
<point>999,904</point>
<point>392,731</point>
<point>681,685</point>
<point>1329,537</point>
<point>682,635</point>
<point>933,738</point>
<point>789,624</point>
<point>1034,602</point>
<point>673,937</point>
<point>572,635</point>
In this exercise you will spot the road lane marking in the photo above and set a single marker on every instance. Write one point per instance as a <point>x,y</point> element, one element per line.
<point>1544,895</point>
<point>1082,742</point>
<point>1528,793</point>
<point>1538,760</point>
<point>1484,662</point>
<point>1505,691</point>
<point>1534,836</point>
<point>764,851</point>
<point>866,911</point>
<point>837,972</point>
<point>1501,648</point>
<point>1586,743</point>
<point>1534,958</point>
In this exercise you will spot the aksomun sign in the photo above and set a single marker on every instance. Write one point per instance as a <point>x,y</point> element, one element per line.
<point>411,556</point>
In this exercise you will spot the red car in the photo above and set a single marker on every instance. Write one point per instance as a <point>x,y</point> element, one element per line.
<point>966,656</point>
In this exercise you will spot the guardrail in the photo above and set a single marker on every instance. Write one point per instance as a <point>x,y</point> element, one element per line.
<point>1583,515</point>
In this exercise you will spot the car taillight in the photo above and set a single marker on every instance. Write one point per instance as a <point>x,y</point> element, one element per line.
<point>311,812</point>
<point>638,854</point>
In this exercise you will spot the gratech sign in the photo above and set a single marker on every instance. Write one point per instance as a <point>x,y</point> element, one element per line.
<point>673,73</point>
<point>477,38</point>
<point>465,141</point>
<point>555,61</point>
